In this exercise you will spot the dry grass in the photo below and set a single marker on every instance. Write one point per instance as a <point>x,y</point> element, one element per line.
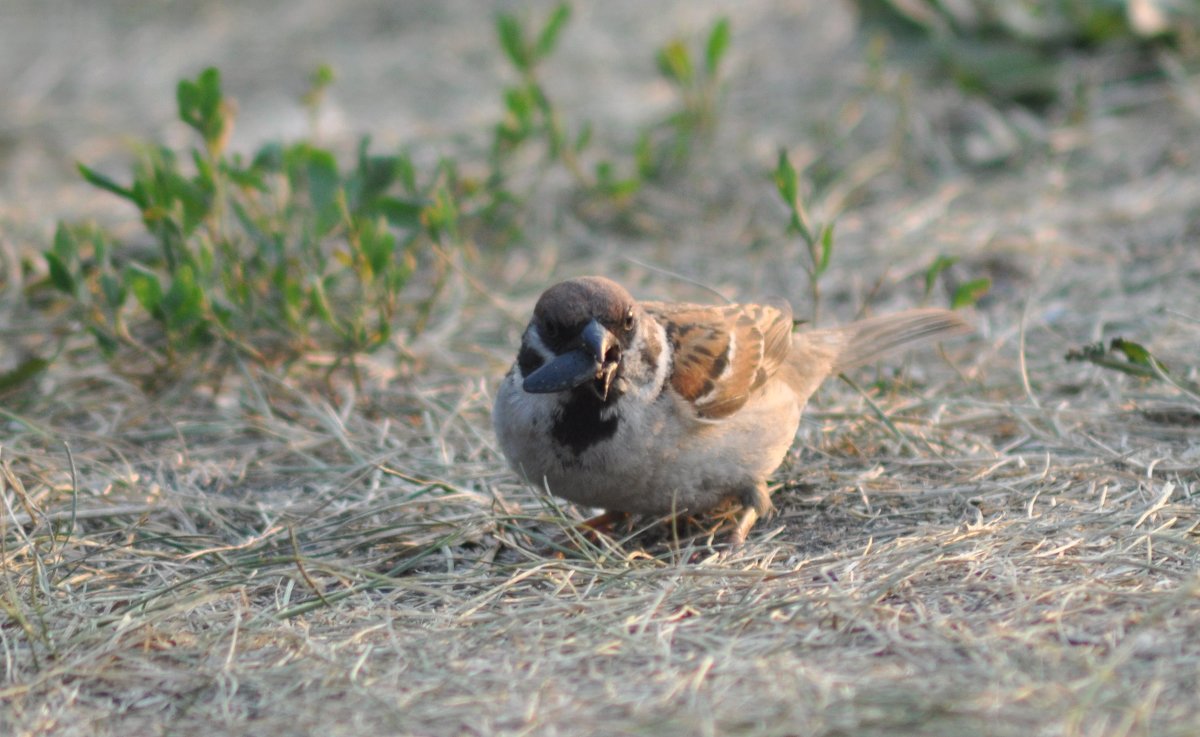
<point>269,558</point>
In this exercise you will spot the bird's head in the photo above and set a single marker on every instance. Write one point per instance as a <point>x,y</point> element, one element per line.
<point>580,331</point>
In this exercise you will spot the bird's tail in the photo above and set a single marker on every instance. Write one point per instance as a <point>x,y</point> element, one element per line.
<point>818,353</point>
<point>873,338</point>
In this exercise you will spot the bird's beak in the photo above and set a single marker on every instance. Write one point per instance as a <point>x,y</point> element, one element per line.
<point>595,357</point>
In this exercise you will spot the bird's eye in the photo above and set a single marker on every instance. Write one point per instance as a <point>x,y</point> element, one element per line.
<point>628,325</point>
<point>549,331</point>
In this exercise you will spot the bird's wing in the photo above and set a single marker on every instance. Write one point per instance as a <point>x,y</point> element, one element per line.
<point>723,353</point>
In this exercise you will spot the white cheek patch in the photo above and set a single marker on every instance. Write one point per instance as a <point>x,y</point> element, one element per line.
<point>643,379</point>
<point>534,340</point>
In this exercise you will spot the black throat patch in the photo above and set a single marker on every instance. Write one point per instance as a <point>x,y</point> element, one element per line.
<point>529,360</point>
<point>580,426</point>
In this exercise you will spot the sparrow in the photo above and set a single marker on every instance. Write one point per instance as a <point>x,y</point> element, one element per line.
<point>662,408</point>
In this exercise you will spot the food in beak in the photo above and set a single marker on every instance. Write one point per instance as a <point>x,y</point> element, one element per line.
<point>596,357</point>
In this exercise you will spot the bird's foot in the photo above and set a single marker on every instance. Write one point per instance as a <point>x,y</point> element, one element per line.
<point>603,523</point>
<point>745,508</point>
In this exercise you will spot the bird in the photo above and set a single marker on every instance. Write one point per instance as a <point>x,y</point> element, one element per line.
<point>658,408</point>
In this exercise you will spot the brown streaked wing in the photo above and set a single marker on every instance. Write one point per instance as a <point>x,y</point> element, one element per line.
<point>724,352</point>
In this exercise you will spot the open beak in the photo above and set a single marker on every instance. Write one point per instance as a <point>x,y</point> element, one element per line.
<point>595,358</point>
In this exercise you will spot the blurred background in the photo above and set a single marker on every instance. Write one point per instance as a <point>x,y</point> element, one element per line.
<point>1003,138</point>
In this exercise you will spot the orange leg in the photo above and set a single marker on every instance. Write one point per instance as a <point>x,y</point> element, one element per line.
<point>604,523</point>
<point>746,520</point>
<point>756,503</point>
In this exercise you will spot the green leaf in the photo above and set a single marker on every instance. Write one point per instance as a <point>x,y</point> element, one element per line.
<point>319,304</point>
<point>621,188</point>
<point>223,314</point>
<point>261,239</point>
<point>145,287</point>
<point>407,172</point>
<point>245,178</point>
<point>96,179</point>
<point>323,179</point>
<point>292,295</point>
<point>60,275</point>
<point>374,174</point>
<point>403,267</point>
<point>318,82</point>
<point>826,241</point>
<point>108,344</point>
<point>200,106</point>
<point>183,302</point>
<point>584,138</point>
<point>1136,353</point>
<point>61,259</point>
<point>608,183</point>
<point>323,75</point>
<point>521,103</point>
<point>675,63</point>
<point>644,155</point>
<point>114,291</point>
<point>548,38</point>
<point>969,293</point>
<point>100,244</point>
<point>399,212</point>
<point>384,333</point>
<point>1138,361</point>
<point>940,264</point>
<point>205,178</point>
<point>22,373</point>
<point>718,44</point>
<point>377,243</point>
<point>512,41</point>
<point>440,218</point>
<point>271,158</point>
<point>315,171</point>
<point>196,196</point>
<point>604,172</point>
<point>786,181</point>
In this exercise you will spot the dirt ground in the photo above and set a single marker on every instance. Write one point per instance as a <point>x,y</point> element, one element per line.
<point>1020,559</point>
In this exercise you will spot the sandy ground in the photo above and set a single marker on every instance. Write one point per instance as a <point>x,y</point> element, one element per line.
<point>1024,563</point>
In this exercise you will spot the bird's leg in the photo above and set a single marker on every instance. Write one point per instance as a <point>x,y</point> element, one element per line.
<point>595,530</point>
<point>755,503</point>
<point>604,523</point>
<point>746,520</point>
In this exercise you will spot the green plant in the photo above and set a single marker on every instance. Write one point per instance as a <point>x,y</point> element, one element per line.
<point>969,293</point>
<point>1046,23</point>
<point>319,83</point>
<point>817,237</point>
<point>1121,355</point>
<point>530,115</point>
<point>1134,359</point>
<point>1011,50</point>
<point>668,146</point>
<point>965,294</point>
<point>271,257</point>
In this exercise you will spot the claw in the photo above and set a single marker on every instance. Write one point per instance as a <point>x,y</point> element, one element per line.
<point>746,520</point>
<point>604,523</point>
<point>756,503</point>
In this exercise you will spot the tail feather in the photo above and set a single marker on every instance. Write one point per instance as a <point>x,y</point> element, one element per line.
<point>876,337</point>
<point>818,353</point>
